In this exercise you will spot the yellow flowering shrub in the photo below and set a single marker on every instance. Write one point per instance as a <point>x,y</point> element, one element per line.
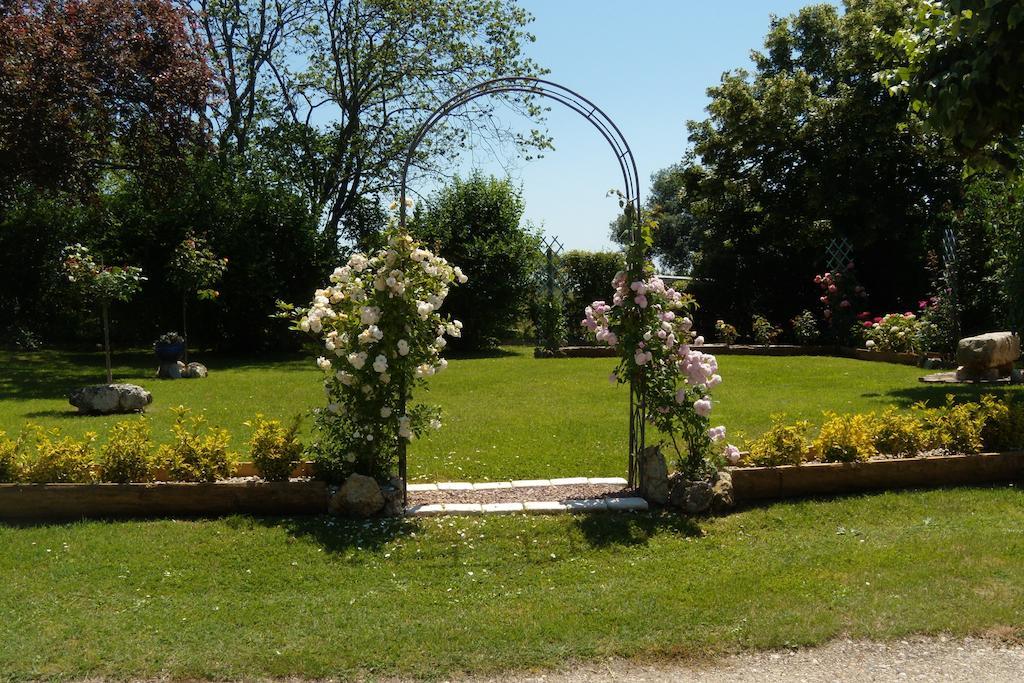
<point>128,453</point>
<point>198,452</point>
<point>275,451</point>
<point>899,434</point>
<point>59,459</point>
<point>846,438</point>
<point>782,444</point>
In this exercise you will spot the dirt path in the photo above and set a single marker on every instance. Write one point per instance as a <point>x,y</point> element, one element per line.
<point>913,659</point>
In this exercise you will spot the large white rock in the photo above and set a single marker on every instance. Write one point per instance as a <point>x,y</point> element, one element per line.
<point>359,496</point>
<point>104,399</point>
<point>987,355</point>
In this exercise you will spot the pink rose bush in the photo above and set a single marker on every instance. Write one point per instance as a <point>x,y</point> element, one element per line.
<point>841,296</point>
<point>651,326</point>
<point>380,334</point>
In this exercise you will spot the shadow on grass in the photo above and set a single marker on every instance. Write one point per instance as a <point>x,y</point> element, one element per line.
<point>53,374</point>
<point>935,394</point>
<point>483,353</point>
<point>336,534</point>
<point>608,529</point>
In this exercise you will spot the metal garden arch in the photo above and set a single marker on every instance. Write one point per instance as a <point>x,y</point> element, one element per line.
<point>631,185</point>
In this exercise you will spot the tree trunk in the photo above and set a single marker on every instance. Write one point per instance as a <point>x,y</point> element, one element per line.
<point>184,323</point>
<point>106,339</point>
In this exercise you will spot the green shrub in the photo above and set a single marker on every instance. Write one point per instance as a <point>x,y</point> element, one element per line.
<point>898,434</point>
<point>805,328</point>
<point>275,451</point>
<point>10,459</point>
<point>782,444</point>
<point>128,453</point>
<point>727,333</point>
<point>586,277</point>
<point>846,438</point>
<point>954,427</point>
<point>764,332</point>
<point>59,459</point>
<point>1004,425</point>
<point>194,455</point>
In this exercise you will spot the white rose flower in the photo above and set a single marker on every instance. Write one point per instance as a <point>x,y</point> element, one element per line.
<point>460,276</point>
<point>358,360</point>
<point>385,411</point>
<point>380,363</point>
<point>403,347</point>
<point>323,363</point>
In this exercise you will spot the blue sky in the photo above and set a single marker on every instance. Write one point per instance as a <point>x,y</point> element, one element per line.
<point>647,64</point>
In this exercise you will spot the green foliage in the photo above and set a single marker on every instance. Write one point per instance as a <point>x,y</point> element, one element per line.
<point>551,333</point>
<point>726,333</point>
<point>274,450</point>
<point>53,458</point>
<point>805,328</point>
<point>586,276</point>
<point>899,434</point>
<point>195,453</point>
<point>764,332</point>
<point>954,427</point>
<point>805,147</point>
<point>97,282</point>
<point>10,459</point>
<point>475,223</point>
<point>1004,425</point>
<point>194,268</point>
<point>846,438</point>
<point>782,444</point>
<point>128,453</point>
<point>960,62</point>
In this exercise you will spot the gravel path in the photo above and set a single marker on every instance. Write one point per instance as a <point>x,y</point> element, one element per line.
<point>519,495</point>
<point>913,659</point>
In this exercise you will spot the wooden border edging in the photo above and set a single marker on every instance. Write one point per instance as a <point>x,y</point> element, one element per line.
<point>75,501</point>
<point>787,481</point>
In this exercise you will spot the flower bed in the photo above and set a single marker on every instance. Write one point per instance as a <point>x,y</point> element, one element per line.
<point>773,350</point>
<point>811,479</point>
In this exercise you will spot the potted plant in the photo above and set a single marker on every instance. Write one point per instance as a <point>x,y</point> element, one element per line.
<point>169,349</point>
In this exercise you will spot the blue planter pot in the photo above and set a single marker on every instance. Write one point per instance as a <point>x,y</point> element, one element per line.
<point>169,353</point>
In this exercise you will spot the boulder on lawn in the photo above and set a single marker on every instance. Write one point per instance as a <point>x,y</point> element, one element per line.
<point>359,496</point>
<point>105,399</point>
<point>722,498</point>
<point>194,371</point>
<point>654,486</point>
<point>987,356</point>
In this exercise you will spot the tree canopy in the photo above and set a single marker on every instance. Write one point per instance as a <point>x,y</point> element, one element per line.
<point>805,148</point>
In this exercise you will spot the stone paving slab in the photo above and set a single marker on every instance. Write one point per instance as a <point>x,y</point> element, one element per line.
<point>530,483</point>
<point>586,505</point>
<point>491,485</point>
<point>454,486</point>
<point>611,481</point>
<point>427,510</point>
<point>463,508</point>
<point>623,504</point>
<point>544,507</point>
<point>422,487</point>
<point>570,481</point>
<point>502,508</point>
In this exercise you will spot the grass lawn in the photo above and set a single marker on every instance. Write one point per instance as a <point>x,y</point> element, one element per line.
<point>246,598</point>
<point>507,416</point>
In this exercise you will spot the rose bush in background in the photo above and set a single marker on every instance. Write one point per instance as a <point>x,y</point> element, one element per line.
<point>897,332</point>
<point>650,323</point>
<point>841,296</point>
<point>381,334</point>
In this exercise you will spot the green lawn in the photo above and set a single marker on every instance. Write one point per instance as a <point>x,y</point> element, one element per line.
<point>242,598</point>
<point>507,416</point>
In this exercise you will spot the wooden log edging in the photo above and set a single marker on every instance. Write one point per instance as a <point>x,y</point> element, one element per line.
<point>811,479</point>
<point>163,499</point>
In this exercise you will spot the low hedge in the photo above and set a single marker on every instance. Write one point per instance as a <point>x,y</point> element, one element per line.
<point>954,428</point>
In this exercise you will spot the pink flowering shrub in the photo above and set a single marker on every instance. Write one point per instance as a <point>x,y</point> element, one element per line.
<point>897,332</point>
<point>650,324</point>
<point>378,325</point>
<point>841,296</point>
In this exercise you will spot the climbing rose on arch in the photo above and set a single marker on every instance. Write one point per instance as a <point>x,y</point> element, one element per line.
<point>650,323</point>
<point>381,335</point>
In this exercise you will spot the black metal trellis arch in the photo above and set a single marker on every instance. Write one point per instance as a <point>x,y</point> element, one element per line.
<point>527,85</point>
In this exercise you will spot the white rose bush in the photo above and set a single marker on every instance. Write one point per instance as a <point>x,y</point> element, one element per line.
<point>381,335</point>
<point>650,324</point>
